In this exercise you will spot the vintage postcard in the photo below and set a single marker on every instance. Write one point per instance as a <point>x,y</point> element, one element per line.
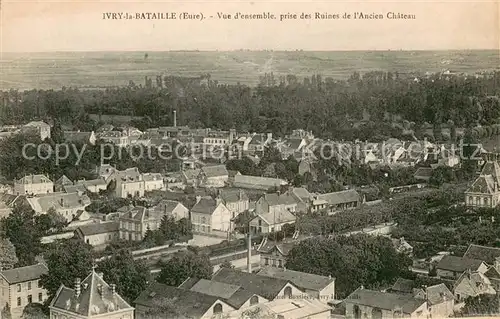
<point>280,159</point>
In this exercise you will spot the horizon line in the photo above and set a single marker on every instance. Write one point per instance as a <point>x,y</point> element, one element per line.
<point>253,50</point>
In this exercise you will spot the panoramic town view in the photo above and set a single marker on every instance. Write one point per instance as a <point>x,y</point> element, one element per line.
<point>364,193</point>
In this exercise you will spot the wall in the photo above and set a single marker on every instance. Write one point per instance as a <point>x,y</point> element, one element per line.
<point>101,239</point>
<point>34,291</point>
<point>442,310</point>
<point>221,218</point>
<point>60,314</point>
<point>328,293</point>
<point>41,188</point>
<point>180,212</point>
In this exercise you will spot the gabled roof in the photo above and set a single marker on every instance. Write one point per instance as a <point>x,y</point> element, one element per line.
<point>233,196</point>
<point>341,197</point>
<point>403,285</point>
<point>260,285</point>
<point>386,301</point>
<point>492,273</point>
<point>96,298</point>
<point>99,228</point>
<point>37,124</point>
<point>33,179</point>
<point>284,247</point>
<point>488,181</point>
<point>300,279</point>
<point>476,281</point>
<point>58,201</point>
<point>77,136</point>
<point>191,173</point>
<point>23,274</point>
<point>189,303</point>
<point>74,188</point>
<point>257,182</point>
<point>214,288</point>
<point>167,206</point>
<point>92,182</point>
<point>484,253</point>
<point>277,218</point>
<point>423,172</point>
<point>64,180</point>
<point>438,293</point>
<point>458,264</point>
<point>215,171</point>
<point>206,205</point>
<point>302,193</point>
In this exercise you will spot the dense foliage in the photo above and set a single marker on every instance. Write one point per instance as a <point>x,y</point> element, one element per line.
<point>354,261</point>
<point>185,265</point>
<point>481,305</point>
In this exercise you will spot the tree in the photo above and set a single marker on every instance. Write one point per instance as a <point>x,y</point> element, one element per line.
<point>8,256</point>
<point>67,259</point>
<point>481,305</point>
<point>183,266</point>
<point>355,260</point>
<point>5,313</point>
<point>34,311</point>
<point>129,275</point>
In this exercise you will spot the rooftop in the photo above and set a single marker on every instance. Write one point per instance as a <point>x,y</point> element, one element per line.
<point>386,301</point>
<point>300,279</point>
<point>458,264</point>
<point>23,274</point>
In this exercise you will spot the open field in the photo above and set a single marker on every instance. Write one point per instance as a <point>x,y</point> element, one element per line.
<point>100,69</point>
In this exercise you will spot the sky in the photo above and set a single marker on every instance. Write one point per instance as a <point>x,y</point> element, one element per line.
<point>47,26</point>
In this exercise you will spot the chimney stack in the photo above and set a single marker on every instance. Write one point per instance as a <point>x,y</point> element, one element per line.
<point>77,287</point>
<point>113,288</point>
<point>249,256</point>
<point>175,118</point>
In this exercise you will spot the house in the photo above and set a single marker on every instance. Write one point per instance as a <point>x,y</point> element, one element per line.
<point>472,284</point>
<point>20,287</point>
<point>485,190</point>
<point>106,171</point>
<point>402,246</point>
<point>67,205</point>
<point>117,138</point>
<point>271,222</point>
<point>257,142</point>
<point>257,183</point>
<point>190,177</point>
<point>173,180</point>
<point>233,294</point>
<point>9,201</point>
<point>61,182</point>
<point>98,234</point>
<point>493,274</point>
<point>402,286</point>
<point>336,201</point>
<point>285,308</point>
<point>267,287</point>
<point>80,189</point>
<point>33,185</point>
<point>153,181</point>
<point>306,165</point>
<point>80,137</point>
<point>172,208</point>
<point>484,253</point>
<point>423,174</point>
<point>214,176</point>
<point>93,185</point>
<point>236,201</point>
<point>440,300</point>
<point>188,303</point>
<point>452,266</point>
<point>316,286</point>
<point>90,298</point>
<point>137,221</point>
<point>129,183</point>
<point>231,175</point>
<point>302,197</point>
<point>39,128</point>
<point>365,303</point>
<point>274,203</point>
<point>273,254</point>
<point>210,214</point>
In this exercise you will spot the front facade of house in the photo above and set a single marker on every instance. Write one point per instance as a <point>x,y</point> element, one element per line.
<point>33,185</point>
<point>98,234</point>
<point>153,181</point>
<point>272,222</point>
<point>20,287</point>
<point>214,176</point>
<point>485,191</point>
<point>336,201</point>
<point>209,214</point>
<point>129,183</point>
<point>472,284</point>
<point>94,185</point>
<point>135,223</point>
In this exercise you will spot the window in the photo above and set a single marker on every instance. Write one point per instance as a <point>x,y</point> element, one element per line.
<point>40,297</point>
<point>29,285</point>
<point>266,261</point>
<point>288,292</point>
<point>38,285</point>
<point>30,299</point>
<point>18,287</point>
<point>280,263</point>
<point>217,308</point>
<point>19,301</point>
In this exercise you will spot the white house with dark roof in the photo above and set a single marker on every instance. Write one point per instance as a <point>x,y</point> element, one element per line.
<point>365,303</point>
<point>153,181</point>
<point>33,185</point>
<point>265,223</point>
<point>98,234</point>
<point>67,205</point>
<point>275,203</point>
<point>191,304</point>
<point>138,220</point>
<point>273,254</point>
<point>472,284</point>
<point>172,208</point>
<point>90,298</point>
<point>485,190</point>
<point>316,286</point>
<point>336,201</point>
<point>210,214</point>
<point>236,201</point>
<point>214,176</point>
<point>129,183</point>
<point>20,287</point>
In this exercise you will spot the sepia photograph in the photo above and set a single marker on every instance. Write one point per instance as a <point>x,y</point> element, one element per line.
<point>283,159</point>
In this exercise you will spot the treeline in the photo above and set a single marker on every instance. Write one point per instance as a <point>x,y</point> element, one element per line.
<point>278,105</point>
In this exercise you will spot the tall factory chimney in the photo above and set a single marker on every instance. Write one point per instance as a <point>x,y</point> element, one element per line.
<point>175,118</point>
<point>249,256</point>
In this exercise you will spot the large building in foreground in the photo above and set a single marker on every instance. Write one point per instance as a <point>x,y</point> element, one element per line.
<point>485,191</point>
